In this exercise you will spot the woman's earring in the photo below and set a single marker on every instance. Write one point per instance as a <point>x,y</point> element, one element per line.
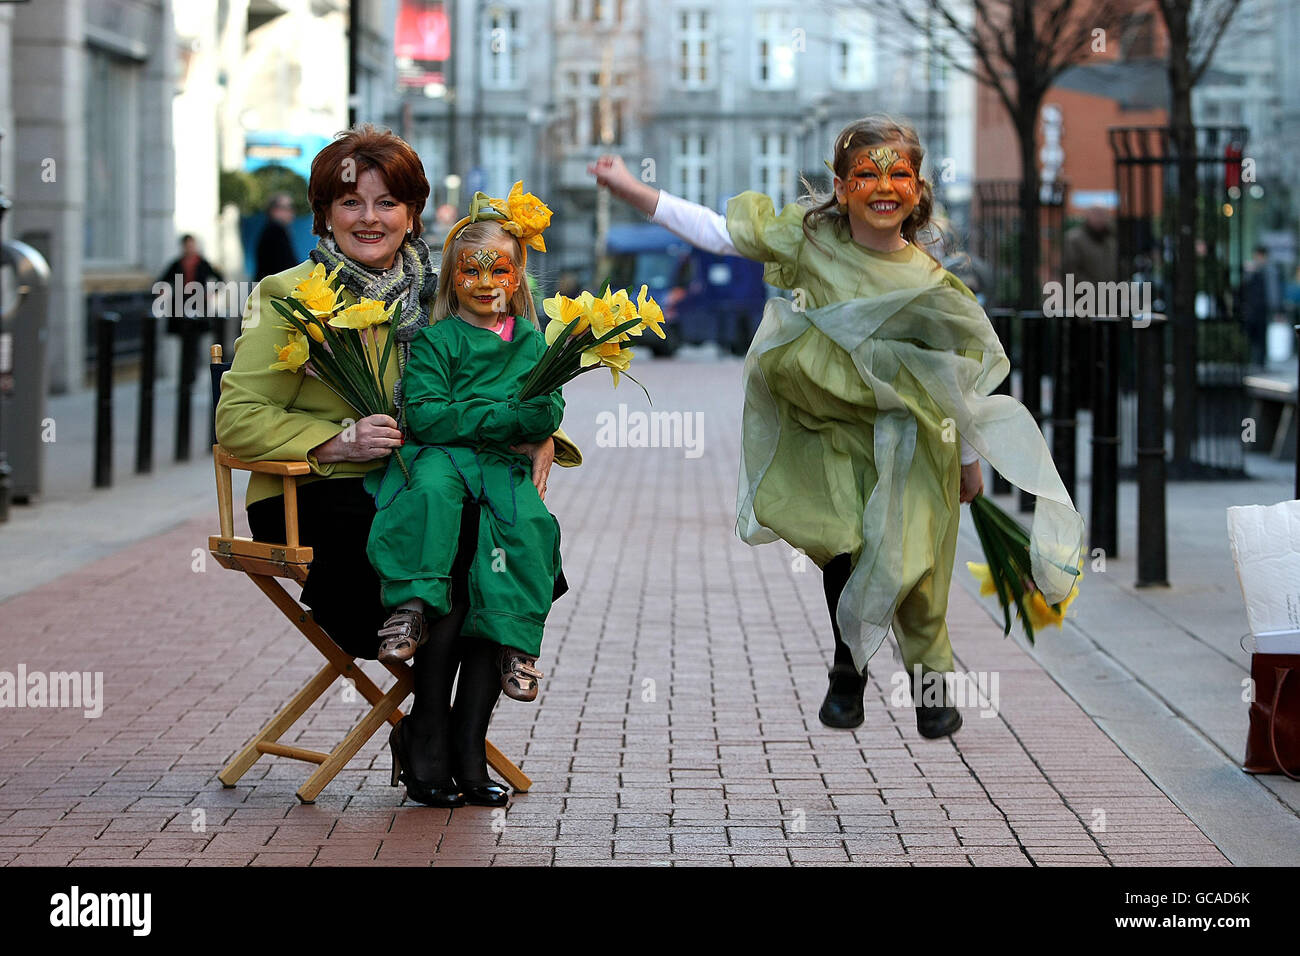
<point>408,228</point>
<point>328,227</point>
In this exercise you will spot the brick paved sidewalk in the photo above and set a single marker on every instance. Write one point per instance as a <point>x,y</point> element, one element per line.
<point>677,722</point>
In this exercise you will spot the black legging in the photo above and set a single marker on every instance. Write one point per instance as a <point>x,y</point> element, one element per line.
<point>834,576</point>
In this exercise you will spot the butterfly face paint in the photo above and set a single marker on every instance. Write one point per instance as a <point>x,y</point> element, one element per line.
<point>881,188</point>
<point>486,280</point>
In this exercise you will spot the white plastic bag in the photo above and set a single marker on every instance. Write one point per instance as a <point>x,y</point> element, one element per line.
<point>1265,542</point>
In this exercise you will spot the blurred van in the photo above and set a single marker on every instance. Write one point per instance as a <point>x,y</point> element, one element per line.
<point>705,297</point>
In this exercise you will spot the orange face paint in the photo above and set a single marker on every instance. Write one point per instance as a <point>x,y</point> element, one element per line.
<point>885,179</point>
<point>485,280</point>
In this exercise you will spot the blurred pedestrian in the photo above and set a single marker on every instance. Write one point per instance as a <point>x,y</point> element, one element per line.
<point>275,244</point>
<point>1091,255</point>
<point>190,267</point>
<point>1255,305</point>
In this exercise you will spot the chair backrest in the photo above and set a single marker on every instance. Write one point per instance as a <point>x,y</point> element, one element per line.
<point>217,369</point>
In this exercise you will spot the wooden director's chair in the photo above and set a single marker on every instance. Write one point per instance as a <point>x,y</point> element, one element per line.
<point>264,563</point>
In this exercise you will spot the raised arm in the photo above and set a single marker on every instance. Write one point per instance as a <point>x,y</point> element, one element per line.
<point>698,225</point>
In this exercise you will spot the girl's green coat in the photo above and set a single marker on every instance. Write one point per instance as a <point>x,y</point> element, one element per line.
<point>463,414</point>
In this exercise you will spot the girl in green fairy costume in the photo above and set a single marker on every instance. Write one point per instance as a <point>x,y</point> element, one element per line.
<point>868,404</point>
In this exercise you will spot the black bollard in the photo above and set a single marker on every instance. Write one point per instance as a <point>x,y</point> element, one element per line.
<point>148,370</point>
<point>105,331</point>
<point>1152,539</point>
<point>6,386</point>
<point>1103,523</point>
<point>1064,426</point>
<point>1031,377</point>
<point>1001,319</point>
<point>189,334</point>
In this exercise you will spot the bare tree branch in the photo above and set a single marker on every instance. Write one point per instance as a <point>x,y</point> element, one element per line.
<point>1214,25</point>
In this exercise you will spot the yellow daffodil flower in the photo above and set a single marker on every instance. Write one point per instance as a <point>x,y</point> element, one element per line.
<point>652,317</point>
<point>363,315</point>
<point>562,310</point>
<point>598,314</point>
<point>316,292</point>
<point>621,309</point>
<point>1042,614</point>
<point>613,358</point>
<point>292,356</point>
<point>315,332</point>
<point>529,214</point>
<point>982,574</point>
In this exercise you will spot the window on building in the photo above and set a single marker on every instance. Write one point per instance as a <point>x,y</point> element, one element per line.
<point>502,162</point>
<point>773,50</point>
<point>774,167</point>
<point>853,51</point>
<point>693,49</point>
<point>112,188</point>
<point>611,13</point>
<point>692,169</point>
<point>586,122</point>
<point>501,49</point>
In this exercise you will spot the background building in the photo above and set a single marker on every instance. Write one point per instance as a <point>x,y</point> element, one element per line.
<point>705,99</point>
<point>89,152</point>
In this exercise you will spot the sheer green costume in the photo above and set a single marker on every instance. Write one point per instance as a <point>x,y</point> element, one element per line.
<point>857,391</point>
<point>460,389</point>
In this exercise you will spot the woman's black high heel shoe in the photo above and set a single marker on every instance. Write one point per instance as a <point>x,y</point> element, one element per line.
<point>434,793</point>
<point>476,695</point>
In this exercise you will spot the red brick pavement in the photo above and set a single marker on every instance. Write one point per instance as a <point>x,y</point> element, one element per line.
<point>677,722</point>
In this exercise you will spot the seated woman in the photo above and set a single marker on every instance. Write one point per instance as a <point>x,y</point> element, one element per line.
<point>366,191</point>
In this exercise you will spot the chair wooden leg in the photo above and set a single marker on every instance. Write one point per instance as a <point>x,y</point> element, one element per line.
<point>279,724</point>
<point>384,706</point>
<point>506,767</point>
<point>354,741</point>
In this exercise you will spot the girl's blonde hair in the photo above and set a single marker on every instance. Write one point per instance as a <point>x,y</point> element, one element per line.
<point>480,234</point>
<point>871,130</point>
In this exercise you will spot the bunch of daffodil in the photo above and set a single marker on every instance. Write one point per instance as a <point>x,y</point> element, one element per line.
<point>590,332</point>
<point>1009,572</point>
<point>335,343</point>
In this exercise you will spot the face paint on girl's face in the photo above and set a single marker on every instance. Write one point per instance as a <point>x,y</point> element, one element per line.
<point>881,188</point>
<point>486,280</point>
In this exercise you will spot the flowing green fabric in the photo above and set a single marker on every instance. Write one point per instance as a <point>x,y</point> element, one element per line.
<point>854,407</point>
